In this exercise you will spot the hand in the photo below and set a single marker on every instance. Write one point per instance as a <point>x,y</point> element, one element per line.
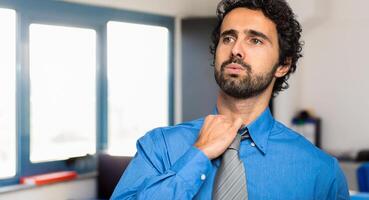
<point>217,134</point>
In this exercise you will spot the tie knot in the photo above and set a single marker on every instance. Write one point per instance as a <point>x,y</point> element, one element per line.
<point>236,143</point>
<point>244,132</point>
<point>241,135</point>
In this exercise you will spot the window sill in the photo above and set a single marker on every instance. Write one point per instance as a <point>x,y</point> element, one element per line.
<point>19,187</point>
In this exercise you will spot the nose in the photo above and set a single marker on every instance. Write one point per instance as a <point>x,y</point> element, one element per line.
<point>237,50</point>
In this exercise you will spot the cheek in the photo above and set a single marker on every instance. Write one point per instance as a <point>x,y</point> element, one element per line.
<point>217,64</point>
<point>262,60</point>
<point>223,52</point>
<point>219,56</point>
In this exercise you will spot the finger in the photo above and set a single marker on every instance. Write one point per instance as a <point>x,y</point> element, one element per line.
<point>222,119</point>
<point>237,123</point>
<point>207,121</point>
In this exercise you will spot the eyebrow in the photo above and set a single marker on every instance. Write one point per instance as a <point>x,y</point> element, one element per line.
<point>252,32</point>
<point>231,32</point>
<point>249,32</point>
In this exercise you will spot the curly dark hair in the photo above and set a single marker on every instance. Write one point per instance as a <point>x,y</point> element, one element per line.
<point>288,28</point>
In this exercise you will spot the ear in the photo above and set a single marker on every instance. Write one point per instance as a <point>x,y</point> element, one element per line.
<point>283,69</point>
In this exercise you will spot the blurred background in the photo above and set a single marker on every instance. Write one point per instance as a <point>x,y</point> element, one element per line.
<point>82,80</point>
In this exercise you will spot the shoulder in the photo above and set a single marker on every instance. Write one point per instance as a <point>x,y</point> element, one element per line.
<point>302,148</point>
<point>187,131</point>
<point>314,162</point>
<point>164,145</point>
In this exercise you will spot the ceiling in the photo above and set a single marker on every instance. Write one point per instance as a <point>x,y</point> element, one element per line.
<point>180,8</point>
<point>196,8</point>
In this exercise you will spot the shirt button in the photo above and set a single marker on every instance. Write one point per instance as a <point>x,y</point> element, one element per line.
<point>252,144</point>
<point>202,177</point>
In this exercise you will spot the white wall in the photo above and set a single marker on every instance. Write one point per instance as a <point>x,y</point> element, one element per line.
<point>332,79</point>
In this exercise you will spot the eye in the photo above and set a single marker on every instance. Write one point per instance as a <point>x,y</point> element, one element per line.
<point>256,41</point>
<point>227,39</point>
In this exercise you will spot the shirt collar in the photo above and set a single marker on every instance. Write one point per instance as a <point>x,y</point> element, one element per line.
<point>259,129</point>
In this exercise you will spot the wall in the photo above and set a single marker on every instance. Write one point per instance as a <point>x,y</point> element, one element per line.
<point>332,78</point>
<point>199,89</point>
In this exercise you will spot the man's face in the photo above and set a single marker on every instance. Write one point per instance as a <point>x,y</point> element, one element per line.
<point>247,54</point>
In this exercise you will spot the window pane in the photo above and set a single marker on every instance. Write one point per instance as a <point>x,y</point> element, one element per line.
<point>138,83</point>
<point>63,96</point>
<point>7,93</point>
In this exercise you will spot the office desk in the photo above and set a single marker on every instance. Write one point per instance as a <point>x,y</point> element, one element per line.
<point>360,196</point>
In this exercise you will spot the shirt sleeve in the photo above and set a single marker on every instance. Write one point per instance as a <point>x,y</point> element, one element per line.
<point>339,188</point>
<point>149,176</point>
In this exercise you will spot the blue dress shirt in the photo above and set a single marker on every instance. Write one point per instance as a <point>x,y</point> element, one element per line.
<point>279,164</point>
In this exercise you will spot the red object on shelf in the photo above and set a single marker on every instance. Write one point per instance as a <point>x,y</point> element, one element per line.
<point>48,178</point>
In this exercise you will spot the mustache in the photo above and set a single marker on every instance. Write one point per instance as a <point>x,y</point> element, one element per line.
<point>237,61</point>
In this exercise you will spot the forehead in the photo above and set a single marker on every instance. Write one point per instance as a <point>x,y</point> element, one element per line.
<point>241,19</point>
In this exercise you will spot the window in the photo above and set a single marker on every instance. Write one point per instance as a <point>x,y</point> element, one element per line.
<point>7,94</point>
<point>59,100</point>
<point>62,92</point>
<point>138,83</point>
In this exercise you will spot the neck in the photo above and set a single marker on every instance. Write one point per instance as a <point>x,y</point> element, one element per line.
<point>246,109</point>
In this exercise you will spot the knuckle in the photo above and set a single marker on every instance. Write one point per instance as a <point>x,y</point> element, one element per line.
<point>227,124</point>
<point>218,118</point>
<point>209,117</point>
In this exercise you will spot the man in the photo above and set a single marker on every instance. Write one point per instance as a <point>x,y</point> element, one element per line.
<point>256,46</point>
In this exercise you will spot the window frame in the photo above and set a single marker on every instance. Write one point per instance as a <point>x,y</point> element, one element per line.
<point>81,16</point>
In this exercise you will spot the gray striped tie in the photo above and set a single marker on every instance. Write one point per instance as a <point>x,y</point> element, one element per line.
<point>230,181</point>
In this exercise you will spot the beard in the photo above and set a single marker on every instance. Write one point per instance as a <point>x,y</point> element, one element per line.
<point>243,87</point>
